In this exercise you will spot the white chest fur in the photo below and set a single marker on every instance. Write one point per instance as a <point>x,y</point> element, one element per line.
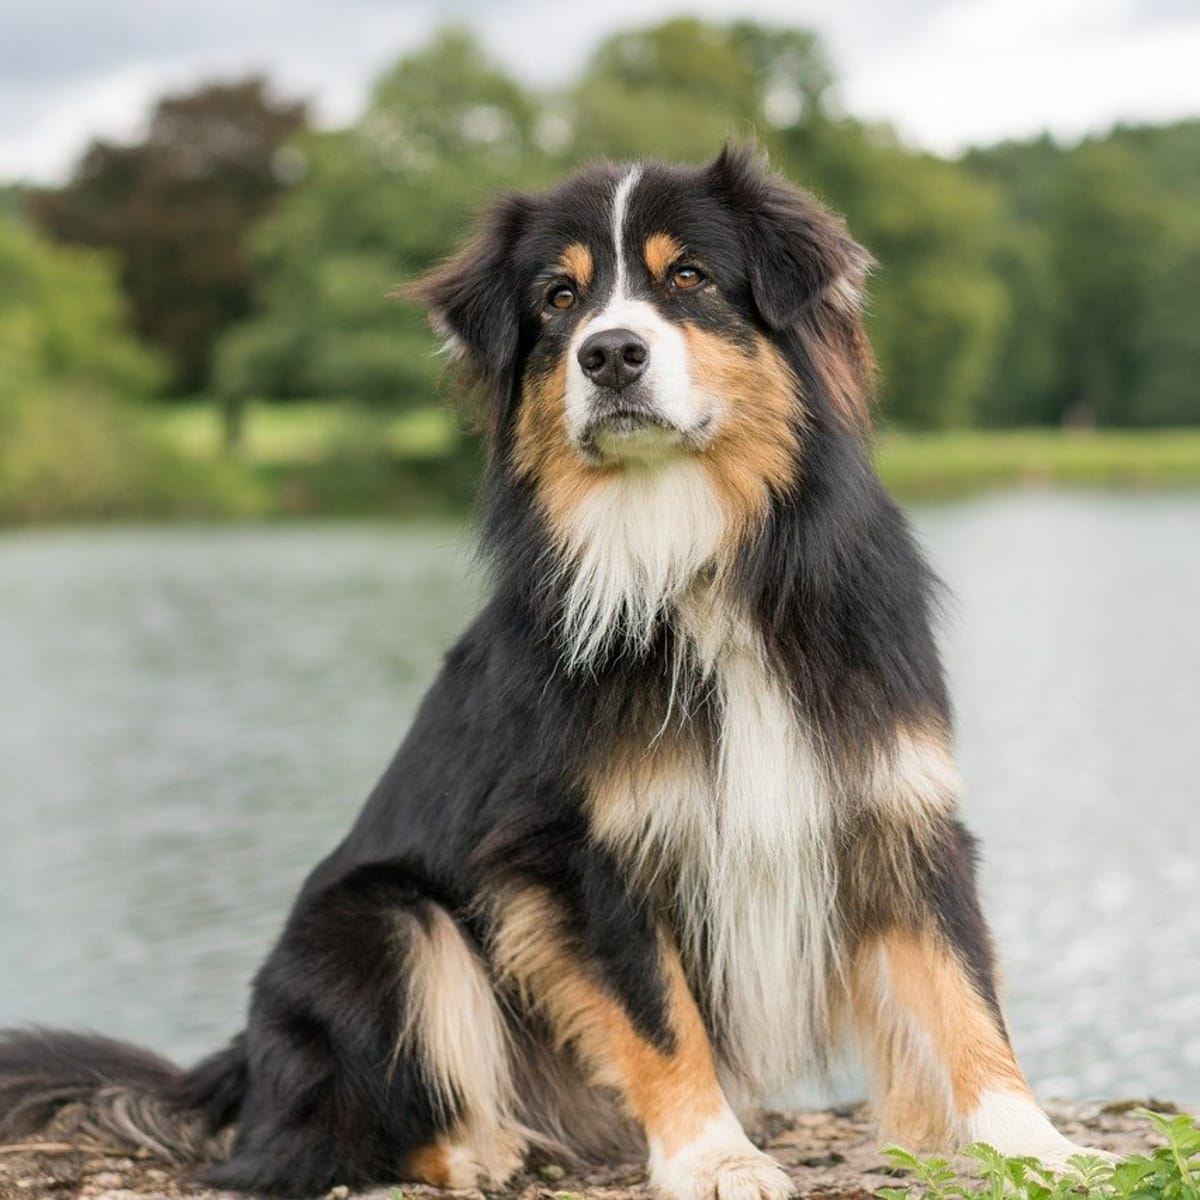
<point>757,888</point>
<point>740,837</point>
<point>740,840</point>
<point>741,843</point>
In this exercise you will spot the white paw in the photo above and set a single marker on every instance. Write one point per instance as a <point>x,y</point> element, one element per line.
<point>1058,1156</point>
<point>1015,1126</point>
<point>721,1164</point>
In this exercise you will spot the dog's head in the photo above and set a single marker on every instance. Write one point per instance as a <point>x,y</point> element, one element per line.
<point>658,339</point>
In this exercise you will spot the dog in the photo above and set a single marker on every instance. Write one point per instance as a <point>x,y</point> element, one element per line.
<point>677,818</point>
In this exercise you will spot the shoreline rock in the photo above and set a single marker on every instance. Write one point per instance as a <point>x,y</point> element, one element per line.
<point>831,1154</point>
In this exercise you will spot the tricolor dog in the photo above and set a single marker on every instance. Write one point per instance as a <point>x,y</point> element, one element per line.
<point>677,819</point>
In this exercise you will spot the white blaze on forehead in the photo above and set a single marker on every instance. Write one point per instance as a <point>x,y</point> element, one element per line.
<point>667,379</point>
<point>620,207</point>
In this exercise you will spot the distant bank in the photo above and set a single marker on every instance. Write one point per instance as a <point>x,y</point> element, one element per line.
<point>326,459</point>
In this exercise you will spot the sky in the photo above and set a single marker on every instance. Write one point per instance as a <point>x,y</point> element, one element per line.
<point>946,73</point>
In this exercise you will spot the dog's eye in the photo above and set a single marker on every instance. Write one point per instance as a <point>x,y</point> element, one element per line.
<point>562,296</point>
<point>686,278</point>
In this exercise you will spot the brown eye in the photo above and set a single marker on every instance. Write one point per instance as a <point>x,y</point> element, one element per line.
<point>686,278</point>
<point>561,297</point>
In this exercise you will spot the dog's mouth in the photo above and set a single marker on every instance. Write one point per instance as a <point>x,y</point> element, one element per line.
<point>624,430</point>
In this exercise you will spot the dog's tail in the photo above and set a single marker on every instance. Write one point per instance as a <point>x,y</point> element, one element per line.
<point>94,1090</point>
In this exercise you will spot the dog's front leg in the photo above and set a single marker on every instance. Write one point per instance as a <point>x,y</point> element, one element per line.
<point>639,1032</point>
<point>925,999</point>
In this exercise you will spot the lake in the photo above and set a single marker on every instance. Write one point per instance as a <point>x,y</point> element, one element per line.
<point>192,716</point>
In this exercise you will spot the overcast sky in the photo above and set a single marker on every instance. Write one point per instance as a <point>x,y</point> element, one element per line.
<point>946,72</point>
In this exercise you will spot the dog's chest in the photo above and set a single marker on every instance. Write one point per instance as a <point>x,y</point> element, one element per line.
<point>734,837</point>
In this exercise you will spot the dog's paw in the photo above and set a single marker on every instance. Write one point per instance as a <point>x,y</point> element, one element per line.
<point>721,1164</point>
<point>1015,1126</point>
<point>1058,1157</point>
<point>469,1158</point>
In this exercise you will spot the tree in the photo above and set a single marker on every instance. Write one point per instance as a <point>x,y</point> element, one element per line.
<point>1169,343</point>
<point>381,202</point>
<point>72,438</point>
<point>175,208</point>
<point>1107,226</point>
<point>679,89</point>
<point>62,318</point>
<point>1099,272</point>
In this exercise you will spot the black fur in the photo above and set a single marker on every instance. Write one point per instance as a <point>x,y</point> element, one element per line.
<point>485,788</point>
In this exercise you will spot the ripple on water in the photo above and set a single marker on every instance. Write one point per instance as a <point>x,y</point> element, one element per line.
<point>193,716</point>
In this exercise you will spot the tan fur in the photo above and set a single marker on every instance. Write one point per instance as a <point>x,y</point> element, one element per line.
<point>660,252</point>
<point>671,1094</point>
<point>931,1044</point>
<point>541,450</point>
<point>755,450</point>
<point>891,815</point>
<point>916,775</point>
<point>431,1164</point>
<point>542,453</point>
<point>461,1159</point>
<point>454,1025</point>
<point>621,795</point>
<point>577,264</point>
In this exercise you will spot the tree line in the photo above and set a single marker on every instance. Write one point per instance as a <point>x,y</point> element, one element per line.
<point>1022,284</point>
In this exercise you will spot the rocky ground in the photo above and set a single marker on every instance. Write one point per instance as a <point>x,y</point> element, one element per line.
<point>831,1155</point>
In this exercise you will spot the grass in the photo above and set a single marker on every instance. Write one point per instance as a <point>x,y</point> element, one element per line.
<point>1171,1172</point>
<point>311,432</point>
<point>328,458</point>
<point>933,464</point>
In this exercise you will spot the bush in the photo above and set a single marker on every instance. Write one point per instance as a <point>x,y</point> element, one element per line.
<point>72,451</point>
<point>73,439</point>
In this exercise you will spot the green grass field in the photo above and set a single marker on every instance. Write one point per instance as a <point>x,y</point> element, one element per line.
<point>317,457</point>
<point>310,432</point>
<point>934,464</point>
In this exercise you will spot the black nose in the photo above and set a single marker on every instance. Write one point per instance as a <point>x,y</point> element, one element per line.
<point>613,358</point>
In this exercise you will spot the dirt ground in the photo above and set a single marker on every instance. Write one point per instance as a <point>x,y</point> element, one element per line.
<point>831,1155</point>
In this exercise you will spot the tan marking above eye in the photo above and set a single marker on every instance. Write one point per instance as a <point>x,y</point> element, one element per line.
<point>659,252</point>
<point>576,263</point>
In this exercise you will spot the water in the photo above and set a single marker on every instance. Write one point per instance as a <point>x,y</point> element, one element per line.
<point>190,718</point>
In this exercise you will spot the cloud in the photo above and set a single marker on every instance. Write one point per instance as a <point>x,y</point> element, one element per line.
<point>947,72</point>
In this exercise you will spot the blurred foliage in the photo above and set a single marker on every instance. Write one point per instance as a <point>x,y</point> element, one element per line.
<point>1103,244</point>
<point>73,439</point>
<point>1026,284</point>
<point>381,202</point>
<point>175,207</point>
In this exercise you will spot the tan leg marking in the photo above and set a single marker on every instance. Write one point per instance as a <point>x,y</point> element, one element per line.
<point>670,1094</point>
<point>934,1048</point>
<point>697,1147</point>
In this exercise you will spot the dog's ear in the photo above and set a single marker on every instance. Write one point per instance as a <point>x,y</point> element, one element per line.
<point>472,297</point>
<point>797,252</point>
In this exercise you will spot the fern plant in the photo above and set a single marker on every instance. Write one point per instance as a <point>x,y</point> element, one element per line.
<point>1170,1172</point>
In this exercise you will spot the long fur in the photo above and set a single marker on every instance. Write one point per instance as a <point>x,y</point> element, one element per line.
<point>679,806</point>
